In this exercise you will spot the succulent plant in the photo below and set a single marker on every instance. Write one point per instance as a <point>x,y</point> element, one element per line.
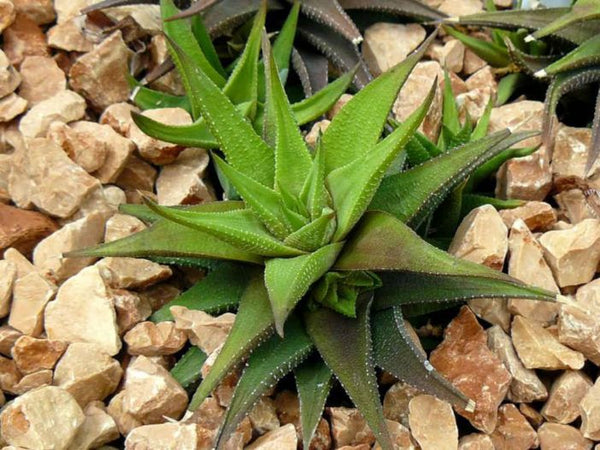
<point>320,277</point>
<point>573,52</point>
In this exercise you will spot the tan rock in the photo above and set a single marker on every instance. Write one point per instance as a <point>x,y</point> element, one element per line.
<point>492,310</point>
<point>22,229</point>
<point>482,238</point>
<point>451,55</point>
<point>539,349</point>
<point>23,38</point>
<point>531,414</point>
<point>84,297</point>
<point>461,7</point>
<point>97,429</point>
<point>9,374</point>
<point>525,386</point>
<point>348,427</point>
<point>203,330</point>
<point>124,420</point>
<point>103,200</point>
<point>9,77</point>
<point>137,175</point>
<point>43,418</point>
<point>40,11</point>
<point>555,436</point>
<point>400,435</point>
<point>150,339</point>
<point>573,254</point>
<point>8,13</point>
<point>159,295</point>
<point>8,275</point>
<point>223,393</point>
<point>465,360</point>
<point>131,309</point>
<point>42,79</point>
<point>283,438</point>
<point>432,423</point>
<point>413,92</point>
<point>263,416</point>
<point>48,254</point>
<point>170,82</point>
<point>590,412</point>
<point>574,206</point>
<point>67,9</point>
<point>538,216</point>
<point>317,129</point>
<point>569,155</point>
<point>11,106</point>
<point>22,264</point>
<point>338,105</point>
<point>31,354</point>
<point>154,150</point>
<point>100,75</point>
<point>475,441</point>
<point>85,149</point>
<point>387,44</point>
<point>70,36</point>
<point>31,293</point>
<point>128,273</point>
<point>527,263</point>
<point>8,337</point>
<point>122,225</point>
<point>566,393</point>
<point>65,106</point>
<point>164,436</point>
<point>118,117</point>
<point>181,183</point>
<point>396,400</point>
<point>472,63</point>
<point>513,432</point>
<point>32,381</point>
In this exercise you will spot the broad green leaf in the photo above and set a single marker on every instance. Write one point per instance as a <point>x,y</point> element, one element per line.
<point>266,203</point>
<point>313,381</point>
<point>586,54</point>
<point>240,228</point>
<point>180,32</point>
<point>147,98</point>
<point>315,234</point>
<point>345,346</point>
<point>481,129</point>
<point>219,291</point>
<point>581,11</point>
<point>314,193</point>
<point>147,215</point>
<point>187,370</point>
<point>205,43</point>
<point>243,148</point>
<point>420,149</point>
<point>358,125</point>
<point>266,366</point>
<point>395,351</point>
<point>449,109</point>
<point>494,54</point>
<point>292,159</point>
<point>409,288</point>
<point>412,195</point>
<point>507,86</point>
<point>288,279</point>
<point>447,216</point>
<point>253,323</point>
<point>353,185</point>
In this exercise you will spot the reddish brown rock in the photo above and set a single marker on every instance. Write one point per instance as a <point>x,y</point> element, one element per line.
<point>513,432</point>
<point>538,216</point>
<point>566,393</point>
<point>24,38</point>
<point>432,423</point>
<point>31,354</point>
<point>555,436</point>
<point>465,360</point>
<point>42,79</point>
<point>9,375</point>
<point>22,229</point>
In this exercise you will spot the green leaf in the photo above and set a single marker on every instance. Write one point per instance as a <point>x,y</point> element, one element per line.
<point>481,129</point>
<point>315,234</point>
<point>446,217</point>
<point>345,346</point>
<point>586,54</point>
<point>412,9</point>
<point>240,228</point>
<point>253,323</point>
<point>243,148</point>
<point>266,366</point>
<point>332,15</point>
<point>581,11</point>
<point>292,159</point>
<point>412,195</point>
<point>220,290</point>
<point>353,185</point>
<point>147,215</point>
<point>472,201</point>
<point>396,352</point>
<point>449,109</point>
<point>147,98</point>
<point>339,291</point>
<point>205,43</point>
<point>595,143</point>
<point>530,64</point>
<point>187,370</point>
<point>494,54</point>
<point>507,86</point>
<point>358,126</point>
<point>288,279</point>
<point>489,168</point>
<point>314,193</point>
<point>313,381</point>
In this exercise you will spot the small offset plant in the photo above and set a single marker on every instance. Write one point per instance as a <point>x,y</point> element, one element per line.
<point>320,277</point>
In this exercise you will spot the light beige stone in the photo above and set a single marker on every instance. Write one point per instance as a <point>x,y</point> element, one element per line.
<point>118,117</point>
<point>164,436</point>
<point>338,105</point>
<point>387,44</point>
<point>203,330</point>
<point>40,11</point>
<point>539,349</point>
<point>42,79</point>
<point>128,273</point>
<point>43,418</point>
<point>24,38</point>
<point>153,150</point>
<point>70,36</point>
<point>396,400</point>
<point>567,391</point>
<point>48,255</point>
<point>159,295</point>
<point>573,254</point>
<point>513,432</point>
<point>151,392</point>
<point>8,337</point>
<point>555,436</point>
<point>137,175</point>
<point>283,438</point>
<point>569,155</point>
<point>492,310</point>
<point>432,423</point>
<point>8,13</point>
<point>538,216</point>
<point>97,429</point>
<point>472,63</point>
<point>22,264</point>
<point>65,106</point>
<point>527,263</point>
<point>122,225</point>
<point>85,149</point>
<point>525,386</point>
<point>150,339</point>
<point>131,309</point>
<point>31,354</point>
<point>263,416</point>
<point>31,293</point>
<point>574,206</point>
<point>482,87</point>
<point>9,77</point>
<point>464,358</point>
<point>67,9</point>
<point>83,312</point>
<point>317,130</point>
<point>482,238</point>
<point>100,75</point>
<point>475,441</point>
<point>400,435</point>
<point>32,381</point>
<point>11,106</point>
<point>451,55</point>
<point>590,412</point>
<point>103,200</point>
<point>181,183</point>
<point>461,7</point>
<point>124,420</point>
<point>348,427</point>
<point>8,275</point>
